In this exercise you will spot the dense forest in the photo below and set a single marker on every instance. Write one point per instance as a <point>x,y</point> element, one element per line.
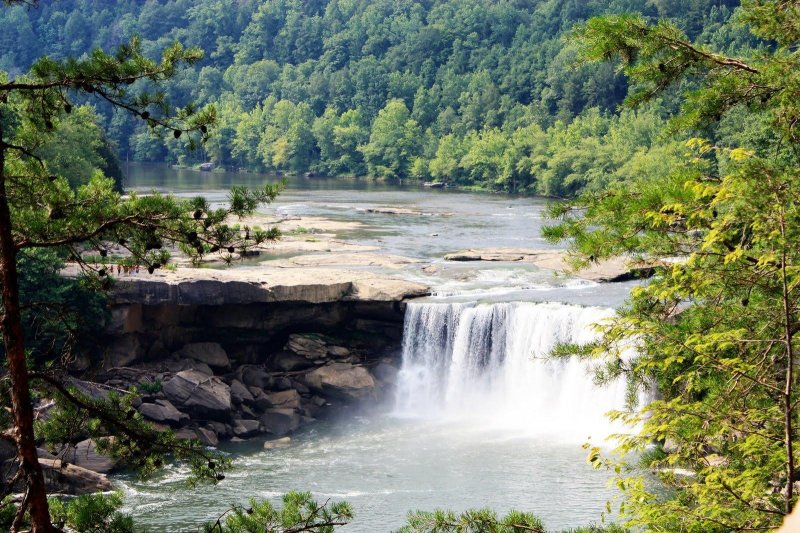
<point>485,95</point>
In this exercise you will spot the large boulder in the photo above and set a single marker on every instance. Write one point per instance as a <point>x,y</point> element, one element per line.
<point>282,442</point>
<point>338,351</point>
<point>287,399</point>
<point>220,429</point>
<point>254,376</point>
<point>207,436</point>
<point>210,353</point>
<point>342,380</point>
<point>123,351</point>
<point>281,384</point>
<point>186,434</point>
<point>309,346</point>
<point>85,455</point>
<point>289,362</point>
<point>64,478</point>
<point>239,393</point>
<point>164,412</point>
<point>175,364</point>
<point>279,422</point>
<point>246,428</point>
<point>199,394</point>
<point>261,401</point>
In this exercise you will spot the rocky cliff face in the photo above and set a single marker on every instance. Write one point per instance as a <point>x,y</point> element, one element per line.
<point>233,354</point>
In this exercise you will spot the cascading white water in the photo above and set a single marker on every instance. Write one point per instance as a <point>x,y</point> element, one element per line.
<point>486,364</point>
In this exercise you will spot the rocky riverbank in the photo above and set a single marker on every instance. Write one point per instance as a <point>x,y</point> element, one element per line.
<point>233,355</point>
<point>605,271</point>
<point>230,354</point>
<point>202,393</point>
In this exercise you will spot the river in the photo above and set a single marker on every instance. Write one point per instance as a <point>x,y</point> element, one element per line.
<point>478,419</point>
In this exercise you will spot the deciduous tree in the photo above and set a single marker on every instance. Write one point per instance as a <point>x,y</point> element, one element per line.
<point>716,329</point>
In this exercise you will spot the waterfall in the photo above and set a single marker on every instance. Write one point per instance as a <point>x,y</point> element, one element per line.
<point>485,364</point>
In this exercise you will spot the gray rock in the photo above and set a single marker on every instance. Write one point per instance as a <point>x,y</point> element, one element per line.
<point>186,434</point>
<point>175,365</point>
<point>207,436</point>
<point>80,363</point>
<point>253,376</point>
<point>289,362</point>
<point>71,479</point>
<point>318,401</point>
<point>157,351</point>
<point>299,387</point>
<point>210,353</point>
<point>239,393</point>
<point>246,428</point>
<point>262,401</point>
<point>670,445</point>
<point>248,412</point>
<point>309,346</point>
<point>280,421</point>
<point>85,455</point>
<point>190,364</point>
<point>123,351</point>
<point>44,454</point>
<point>205,286</point>
<point>288,399</point>
<point>199,394</point>
<point>282,384</point>
<point>338,351</point>
<point>381,328</point>
<point>125,319</point>
<point>220,429</point>
<point>282,442</point>
<point>342,380</point>
<point>163,411</point>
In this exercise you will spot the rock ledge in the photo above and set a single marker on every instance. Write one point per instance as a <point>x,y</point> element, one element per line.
<point>264,285</point>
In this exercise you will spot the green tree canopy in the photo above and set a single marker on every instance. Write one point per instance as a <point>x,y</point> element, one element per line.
<point>393,142</point>
<point>716,329</point>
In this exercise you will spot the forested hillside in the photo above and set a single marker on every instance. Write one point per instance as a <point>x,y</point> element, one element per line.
<point>476,93</point>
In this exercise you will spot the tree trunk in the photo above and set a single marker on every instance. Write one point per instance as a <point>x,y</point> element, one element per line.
<point>17,367</point>
<point>788,401</point>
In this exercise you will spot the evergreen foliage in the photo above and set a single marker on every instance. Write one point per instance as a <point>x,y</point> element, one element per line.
<point>94,513</point>
<point>300,512</point>
<point>472,521</point>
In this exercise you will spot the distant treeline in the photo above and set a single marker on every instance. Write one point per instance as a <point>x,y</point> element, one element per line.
<point>474,93</point>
